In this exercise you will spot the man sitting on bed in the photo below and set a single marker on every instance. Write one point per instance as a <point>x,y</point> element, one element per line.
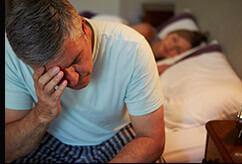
<point>73,86</point>
<point>175,43</point>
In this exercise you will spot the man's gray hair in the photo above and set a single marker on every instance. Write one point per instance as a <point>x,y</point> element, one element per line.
<point>37,29</point>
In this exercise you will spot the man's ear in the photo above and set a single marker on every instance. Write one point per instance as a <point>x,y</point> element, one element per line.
<point>84,27</point>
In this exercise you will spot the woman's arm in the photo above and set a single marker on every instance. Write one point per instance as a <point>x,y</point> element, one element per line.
<point>162,68</point>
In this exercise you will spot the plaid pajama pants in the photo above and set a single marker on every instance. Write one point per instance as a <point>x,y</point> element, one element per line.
<point>51,150</point>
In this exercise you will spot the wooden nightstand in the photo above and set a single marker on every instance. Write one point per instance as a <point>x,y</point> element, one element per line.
<point>222,145</point>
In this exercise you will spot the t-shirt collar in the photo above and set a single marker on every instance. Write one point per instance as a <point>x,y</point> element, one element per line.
<point>95,45</point>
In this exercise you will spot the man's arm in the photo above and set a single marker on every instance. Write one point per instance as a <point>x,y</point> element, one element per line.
<point>23,132</point>
<point>149,142</point>
<point>25,129</point>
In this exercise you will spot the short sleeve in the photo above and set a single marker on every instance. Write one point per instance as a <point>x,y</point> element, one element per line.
<point>144,93</point>
<point>17,96</point>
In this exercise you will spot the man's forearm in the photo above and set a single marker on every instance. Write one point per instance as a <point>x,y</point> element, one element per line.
<point>21,137</point>
<point>143,149</point>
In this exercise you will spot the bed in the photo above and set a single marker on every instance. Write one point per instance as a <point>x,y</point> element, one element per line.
<point>199,87</point>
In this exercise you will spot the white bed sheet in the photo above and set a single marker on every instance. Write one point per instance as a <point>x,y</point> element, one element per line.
<point>185,146</point>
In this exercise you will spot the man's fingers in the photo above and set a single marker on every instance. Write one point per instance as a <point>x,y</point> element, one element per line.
<point>44,79</point>
<point>57,94</point>
<point>38,72</point>
<point>53,83</point>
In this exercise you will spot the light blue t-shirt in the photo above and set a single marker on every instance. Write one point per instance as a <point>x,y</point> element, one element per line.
<point>124,81</point>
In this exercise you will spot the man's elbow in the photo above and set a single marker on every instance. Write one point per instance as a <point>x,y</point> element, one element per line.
<point>8,157</point>
<point>161,145</point>
<point>161,142</point>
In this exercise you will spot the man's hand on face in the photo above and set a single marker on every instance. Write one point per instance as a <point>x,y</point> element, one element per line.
<point>48,97</point>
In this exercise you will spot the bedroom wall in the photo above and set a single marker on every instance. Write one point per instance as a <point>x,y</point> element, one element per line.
<point>222,18</point>
<point>132,10</point>
<point>100,6</point>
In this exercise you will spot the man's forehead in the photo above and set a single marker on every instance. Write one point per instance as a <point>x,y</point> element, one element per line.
<point>65,58</point>
<point>57,61</point>
<point>62,58</point>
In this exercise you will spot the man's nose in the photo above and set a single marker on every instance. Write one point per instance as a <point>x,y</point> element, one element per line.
<point>71,75</point>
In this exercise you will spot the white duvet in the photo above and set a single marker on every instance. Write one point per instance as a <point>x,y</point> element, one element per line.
<point>196,90</point>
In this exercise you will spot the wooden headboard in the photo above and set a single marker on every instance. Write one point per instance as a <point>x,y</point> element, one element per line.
<point>223,20</point>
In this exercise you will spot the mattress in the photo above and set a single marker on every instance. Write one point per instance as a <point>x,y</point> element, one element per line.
<point>185,146</point>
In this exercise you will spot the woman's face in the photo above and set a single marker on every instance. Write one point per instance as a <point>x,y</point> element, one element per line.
<point>172,45</point>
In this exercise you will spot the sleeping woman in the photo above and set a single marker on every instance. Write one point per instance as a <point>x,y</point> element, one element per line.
<point>175,43</point>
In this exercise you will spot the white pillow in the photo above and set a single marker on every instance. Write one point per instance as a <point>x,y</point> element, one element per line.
<point>110,18</point>
<point>184,21</point>
<point>200,89</point>
<point>103,17</point>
